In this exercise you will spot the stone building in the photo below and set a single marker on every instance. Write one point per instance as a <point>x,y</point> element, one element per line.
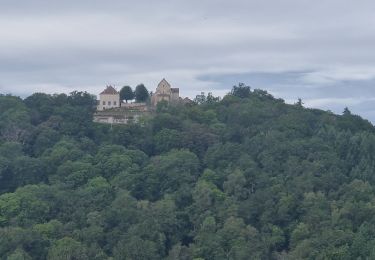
<point>122,115</point>
<point>164,91</point>
<point>109,98</point>
<point>111,110</point>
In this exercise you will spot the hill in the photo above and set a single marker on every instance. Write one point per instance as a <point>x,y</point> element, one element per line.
<point>243,177</point>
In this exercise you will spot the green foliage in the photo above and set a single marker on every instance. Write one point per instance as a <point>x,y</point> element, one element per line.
<point>162,106</point>
<point>141,93</point>
<point>126,93</point>
<point>41,105</point>
<point>19,254</point>
<point>241,91</point>
<point>167,139</point>
<point>243,177</point>
<point>67,248</point>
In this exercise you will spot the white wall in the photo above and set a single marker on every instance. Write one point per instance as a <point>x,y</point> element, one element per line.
<point>108,101</point>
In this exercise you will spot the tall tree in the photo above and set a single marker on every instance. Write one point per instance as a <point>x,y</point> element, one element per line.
<point>346,111</point>
<point>241,91</point>
<point>67,248</point>
<point>253,178</point>
<point>141,93</point>
<point>126,93</point>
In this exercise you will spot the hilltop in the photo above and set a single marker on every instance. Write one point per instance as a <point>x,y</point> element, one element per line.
<point>242,177</point>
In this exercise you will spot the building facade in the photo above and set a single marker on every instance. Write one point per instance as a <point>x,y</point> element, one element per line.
<point>109,98</point>
<point>119,116</point>
<point>111,110</point>
<point>164,92</point>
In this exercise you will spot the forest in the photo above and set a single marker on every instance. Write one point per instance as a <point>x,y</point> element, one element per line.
<point>245,176</point>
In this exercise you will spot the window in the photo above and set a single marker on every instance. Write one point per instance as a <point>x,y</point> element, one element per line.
<point>114,103</point>
<point>103,103</point>
<point>109,103</point>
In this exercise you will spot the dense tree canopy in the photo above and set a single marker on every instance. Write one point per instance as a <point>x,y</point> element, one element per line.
<point>141,93</point>
<point>126,93</point>
<point>243,177</point>
<point>241,91</point>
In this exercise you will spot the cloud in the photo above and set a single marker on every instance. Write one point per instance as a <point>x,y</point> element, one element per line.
<point>319,51</point>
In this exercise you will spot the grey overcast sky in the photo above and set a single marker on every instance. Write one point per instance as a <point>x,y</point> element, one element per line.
<point>320,51</point>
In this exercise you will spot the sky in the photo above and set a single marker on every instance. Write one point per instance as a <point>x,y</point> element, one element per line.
<point>319,51</point>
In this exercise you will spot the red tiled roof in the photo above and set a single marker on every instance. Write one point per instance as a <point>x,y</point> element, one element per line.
<point>109,91</point>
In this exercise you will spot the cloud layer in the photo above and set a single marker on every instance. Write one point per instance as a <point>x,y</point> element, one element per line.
<point>318,51</point>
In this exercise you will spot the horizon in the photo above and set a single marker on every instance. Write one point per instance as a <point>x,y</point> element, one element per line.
<point>192,98</point>
<point>319,52</point>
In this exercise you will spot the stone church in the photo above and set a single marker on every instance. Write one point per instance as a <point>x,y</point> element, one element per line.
<point>110,97</point>
<point>164,91</point>
<point>111,110</point>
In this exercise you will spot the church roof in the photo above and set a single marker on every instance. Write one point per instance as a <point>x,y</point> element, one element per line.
<point>165,82</point>
<point>109,91</point>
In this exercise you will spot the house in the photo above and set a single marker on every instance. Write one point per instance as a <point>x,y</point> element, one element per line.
<point>165,92</point>
<point>111,110</point>
<point>109,98</point>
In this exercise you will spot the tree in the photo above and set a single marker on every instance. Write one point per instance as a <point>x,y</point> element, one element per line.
<point>200,99</point>
<point>82,98</point>
<point>136,248</point>
<point>126,93</point>
<point>235,185</point>
<point>28,170</point>
<point>67,248</point>
<point>141,93</point>
<point>211,98</point>
<point>42,104</point>
<point>346,111</point>
<point>241,91</point>
<point>253,178</point>
<point>162,106</point>
<point>299,102</point>
<point>168,172</point>
<point>167,139</point>
<point>19,254</point>
<point>19,243</point>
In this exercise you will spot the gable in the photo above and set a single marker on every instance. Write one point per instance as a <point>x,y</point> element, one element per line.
<point>163,87</point>
<point>109,91</point>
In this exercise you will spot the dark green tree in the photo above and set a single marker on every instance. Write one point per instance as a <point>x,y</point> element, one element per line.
<point>243,177</point>
<point>241,91</point>
<point>126,93</point>
<point>67,248</point>
<point>346,111</point>
<point>299,102</point>
<point>141,93</point>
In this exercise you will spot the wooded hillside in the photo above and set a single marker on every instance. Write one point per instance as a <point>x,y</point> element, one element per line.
<point>244,177</point>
